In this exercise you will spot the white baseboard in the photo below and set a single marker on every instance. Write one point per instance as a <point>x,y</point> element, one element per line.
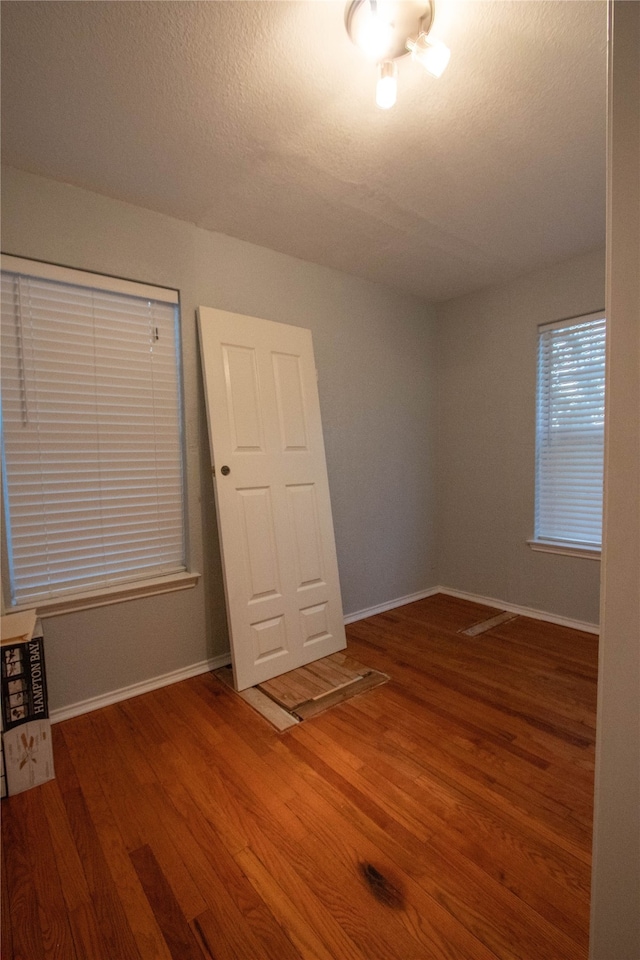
<point>390,605</point>
<point>523,611</point>
<point>135,689</point>
<point>475,598</point>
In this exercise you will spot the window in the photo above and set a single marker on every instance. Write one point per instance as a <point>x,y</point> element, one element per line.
<point>570,433</point>
<point>92,458</point>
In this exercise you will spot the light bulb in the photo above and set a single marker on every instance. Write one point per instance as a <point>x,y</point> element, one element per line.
<point>432,54</point>
<point>387,86</point>
<point>375,36</point>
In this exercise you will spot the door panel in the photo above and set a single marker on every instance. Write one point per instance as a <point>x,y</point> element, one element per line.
<point>269,639</point>
<point>305,530</point>
<point>314,624</point>
<point>259,541</point>
<point>274,514</point>
<point>291,410</point>
<point>243,402</point>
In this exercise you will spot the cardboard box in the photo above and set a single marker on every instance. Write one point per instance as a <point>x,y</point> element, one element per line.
<point>26,728</point>
<point>28,755</point>
<point>3,779</point>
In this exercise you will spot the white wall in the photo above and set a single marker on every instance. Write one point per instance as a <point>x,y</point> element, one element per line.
<point>615,900</point>
<point>487,354</point>
<point>375,358</point>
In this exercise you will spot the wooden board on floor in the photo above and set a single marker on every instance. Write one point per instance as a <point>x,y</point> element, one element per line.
<point>319,685</point>
<point>267,707</point>
<point>484,625</point>
<point>370,680</point>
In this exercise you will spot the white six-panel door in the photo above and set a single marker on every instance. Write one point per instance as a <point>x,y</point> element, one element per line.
<point>272,495</point>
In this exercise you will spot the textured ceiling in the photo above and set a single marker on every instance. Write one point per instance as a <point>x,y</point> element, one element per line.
<point>257,119</point>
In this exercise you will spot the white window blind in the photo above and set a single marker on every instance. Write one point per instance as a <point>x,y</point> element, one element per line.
<point>570,431</point>
<point>91,444</point>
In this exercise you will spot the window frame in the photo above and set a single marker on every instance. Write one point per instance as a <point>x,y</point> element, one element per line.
<point>102,595</point>
<point>538,542</point>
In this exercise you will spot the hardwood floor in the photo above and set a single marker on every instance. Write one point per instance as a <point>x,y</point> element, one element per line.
<point>445,814</point>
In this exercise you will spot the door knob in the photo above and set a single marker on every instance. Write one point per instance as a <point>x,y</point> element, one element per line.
<point>225,471</point>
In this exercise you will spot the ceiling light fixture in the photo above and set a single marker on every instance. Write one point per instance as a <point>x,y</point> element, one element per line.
<point>432,54</point>
<point>387,30</point>
<point>375,34</point>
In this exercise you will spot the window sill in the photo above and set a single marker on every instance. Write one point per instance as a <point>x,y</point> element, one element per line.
<point>565,549</point>
<point>103,598</point>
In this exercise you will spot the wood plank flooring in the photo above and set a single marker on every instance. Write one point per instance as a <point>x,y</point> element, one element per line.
<point>445,815</point>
